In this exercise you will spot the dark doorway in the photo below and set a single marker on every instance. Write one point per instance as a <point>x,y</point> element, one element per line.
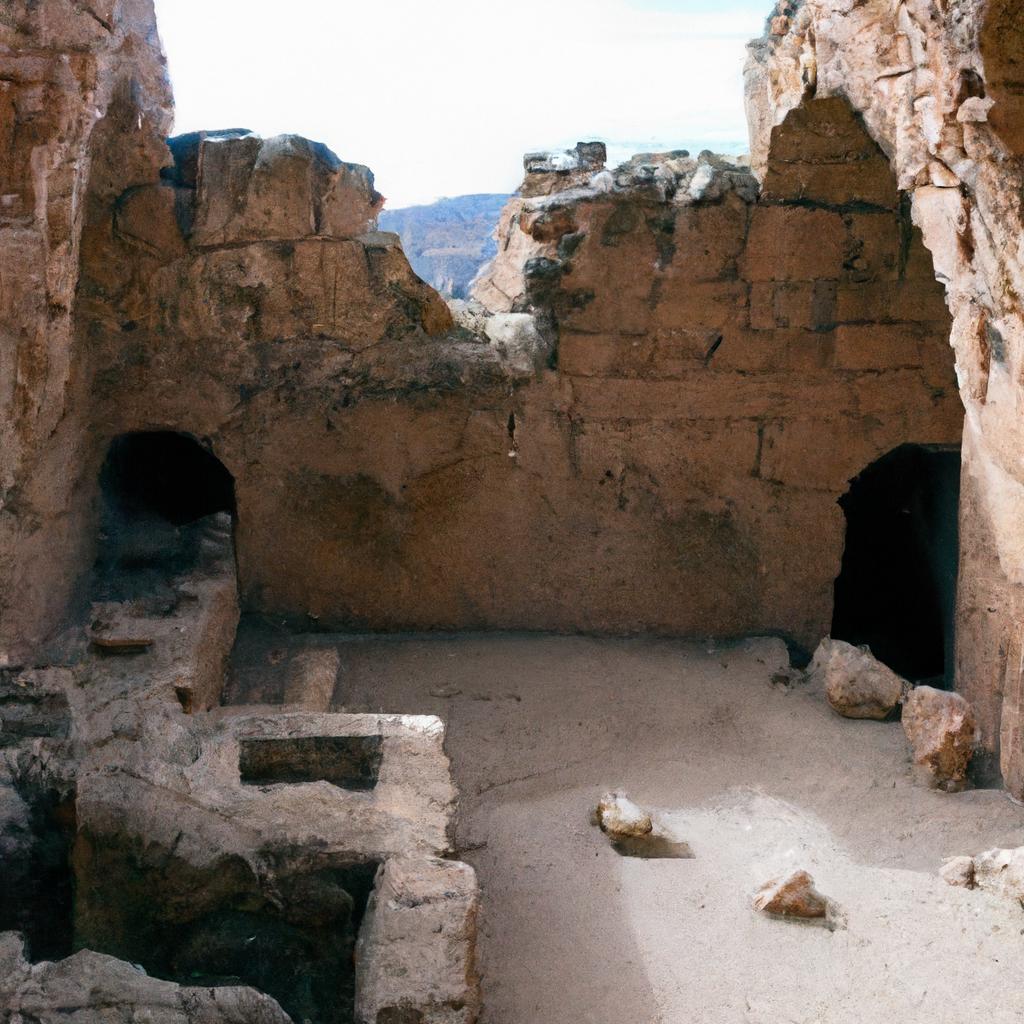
<point>162,492</point>
<point>896,590</point>
<point>164,475</point>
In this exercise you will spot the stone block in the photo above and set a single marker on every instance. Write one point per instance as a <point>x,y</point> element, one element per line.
<point>808,305</point>
<point>415,958</point>
<point>878,346</point>
<point>778,249</point>
<point>250,189</point>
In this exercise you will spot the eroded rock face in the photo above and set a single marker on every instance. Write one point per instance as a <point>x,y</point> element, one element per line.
<point>943,732</point>
<point>934,84</point>
<point>857,685</point>
<point>95,989</point>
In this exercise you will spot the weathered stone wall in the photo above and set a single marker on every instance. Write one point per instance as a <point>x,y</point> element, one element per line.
<point>61,66</point>
<point>714,366</point>
<point>939,89</point>
<point>672,468</point>
<point>732,362</point>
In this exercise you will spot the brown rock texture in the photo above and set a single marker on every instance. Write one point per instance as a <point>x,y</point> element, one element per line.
<point>938,88</point>
<point>671,388</point>
<point>792,896</point>
<point>942,731</point>
<point>693,317</point>
<point>64,68</point>
<point>856,684</point>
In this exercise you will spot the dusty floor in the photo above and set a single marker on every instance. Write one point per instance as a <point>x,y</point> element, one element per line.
<point>757,776</point>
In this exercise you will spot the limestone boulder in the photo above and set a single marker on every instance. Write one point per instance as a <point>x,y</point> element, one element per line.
<point>415,956</point>
<point>249,189</point>
<point>857,684</point>
<point>793,895</point>
<point>959,871</point>
<point>999,871</point>
<point>91,988</point>
<point>943,732</point>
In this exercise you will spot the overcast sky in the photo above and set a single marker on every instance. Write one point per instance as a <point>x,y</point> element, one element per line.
<point>442,98</point>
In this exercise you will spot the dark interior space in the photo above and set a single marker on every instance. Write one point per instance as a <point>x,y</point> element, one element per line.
<point>293,937</point>
<point>301,953</point>
<point>165,475</point>
<point>36,881</point>
<point>160,490</point>
<point>348,762</point>
<point>896,590</point>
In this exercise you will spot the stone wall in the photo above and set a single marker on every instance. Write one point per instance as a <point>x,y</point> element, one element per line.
<point>681,375</point>
<point>939,90</point>
<point>672,467</point>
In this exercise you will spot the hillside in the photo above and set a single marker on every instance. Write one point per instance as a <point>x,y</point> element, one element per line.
<point>448,241</point>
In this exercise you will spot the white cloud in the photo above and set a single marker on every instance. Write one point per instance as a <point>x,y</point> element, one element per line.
<point>443,98</point>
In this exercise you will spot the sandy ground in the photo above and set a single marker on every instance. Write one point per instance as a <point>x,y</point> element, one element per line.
<point>759,777</point>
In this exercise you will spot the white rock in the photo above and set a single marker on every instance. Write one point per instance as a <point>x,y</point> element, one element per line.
<point>619,816</point>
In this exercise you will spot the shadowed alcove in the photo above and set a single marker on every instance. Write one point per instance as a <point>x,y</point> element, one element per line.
<point>896,591</point>
<point>160,490</point>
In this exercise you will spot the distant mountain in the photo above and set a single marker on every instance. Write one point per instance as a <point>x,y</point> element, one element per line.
<point>448,241</point>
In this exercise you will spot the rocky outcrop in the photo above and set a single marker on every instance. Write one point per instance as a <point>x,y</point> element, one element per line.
<point>856,684</point>
<point>63,68</point>
<point>943,733</point>
<point>934,85</point>
<point>91,988</point>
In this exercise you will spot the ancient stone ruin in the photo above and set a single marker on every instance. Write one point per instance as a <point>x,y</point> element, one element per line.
<point>691,397</point>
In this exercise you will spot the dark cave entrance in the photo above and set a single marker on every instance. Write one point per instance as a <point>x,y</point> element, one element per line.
<point>896,590</point>
<point>164,494</point>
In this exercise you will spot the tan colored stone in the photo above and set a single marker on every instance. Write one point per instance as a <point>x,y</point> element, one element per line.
<point>856,684</point>
<point>97,989</point>
<point>942,732</point>
<point>777,246</point>
<point>416,953</point>
<point>250,189</point>
<point>959,871</point>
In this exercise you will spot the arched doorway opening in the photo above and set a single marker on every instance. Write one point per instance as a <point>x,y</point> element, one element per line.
<point>896,590</point>
<point>163,492</point>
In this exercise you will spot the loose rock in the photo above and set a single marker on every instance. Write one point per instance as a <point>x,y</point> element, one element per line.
<point>942,730</point>
<point>997,871</point>
<point>792,896</point>
<point>619,817</point>
<point>959,871</point>
<point>856,683</point>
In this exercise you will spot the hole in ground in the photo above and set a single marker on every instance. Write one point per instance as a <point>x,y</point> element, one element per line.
<point>896,590</point>
<point>302,955</point>
<point>36,880</point>
<point>349,762</point>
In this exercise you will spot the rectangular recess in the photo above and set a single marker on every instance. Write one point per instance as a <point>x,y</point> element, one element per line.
<point>348,762</point>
